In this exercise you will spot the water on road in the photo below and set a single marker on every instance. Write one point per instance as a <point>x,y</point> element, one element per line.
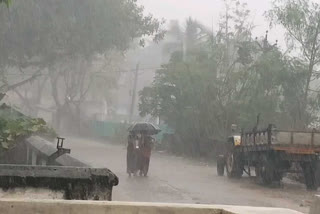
<point>181,180</point>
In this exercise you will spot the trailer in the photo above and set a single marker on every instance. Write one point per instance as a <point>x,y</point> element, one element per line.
<point>272,153</point>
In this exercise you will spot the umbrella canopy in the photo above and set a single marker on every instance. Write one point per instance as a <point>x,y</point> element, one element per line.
<point>144,128</point>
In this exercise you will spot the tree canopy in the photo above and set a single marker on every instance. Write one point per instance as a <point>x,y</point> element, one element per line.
<point>7,2</point>
<point>301,21</point>
<point>38,34</point>
<point>58,44</point>
<point>225,78</point>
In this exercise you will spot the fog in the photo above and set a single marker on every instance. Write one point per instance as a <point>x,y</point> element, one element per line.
<point>208,12</point>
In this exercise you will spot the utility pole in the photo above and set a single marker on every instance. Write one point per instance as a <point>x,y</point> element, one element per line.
<point>134,91</point>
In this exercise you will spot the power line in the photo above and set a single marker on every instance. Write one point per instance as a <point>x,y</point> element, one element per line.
<point>134,92</point>
<point>122,70</point>
<point>133,70</point>
<point>22,74</point>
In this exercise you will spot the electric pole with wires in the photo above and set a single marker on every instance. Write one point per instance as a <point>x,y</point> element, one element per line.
<point>134,91</point>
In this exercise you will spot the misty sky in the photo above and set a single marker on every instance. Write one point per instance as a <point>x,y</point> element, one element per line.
<point>208,12</point>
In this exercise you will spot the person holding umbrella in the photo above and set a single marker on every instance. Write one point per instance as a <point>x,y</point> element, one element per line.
<point>145,148</point>
<point>139,153</point>
<point>131,155</point>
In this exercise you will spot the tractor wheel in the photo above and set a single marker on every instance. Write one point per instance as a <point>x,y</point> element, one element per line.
<point>266,172</point>
<point>233,166</point>
<point>317,172</point>
<point>220,166</point>
<point>309,173</point>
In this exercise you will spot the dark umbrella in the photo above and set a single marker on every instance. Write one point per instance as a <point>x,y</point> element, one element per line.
<point>144,128</point>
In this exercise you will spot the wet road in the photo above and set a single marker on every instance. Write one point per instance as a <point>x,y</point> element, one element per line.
<point>180,180</point>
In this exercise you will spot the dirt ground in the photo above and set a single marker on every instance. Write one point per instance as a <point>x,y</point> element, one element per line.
<point>180,180</point>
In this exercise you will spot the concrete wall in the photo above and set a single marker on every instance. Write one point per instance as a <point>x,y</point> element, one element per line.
<point>35,151</point>
<point>315,208</point>
<point>94,207</point>
<point>40,149</point>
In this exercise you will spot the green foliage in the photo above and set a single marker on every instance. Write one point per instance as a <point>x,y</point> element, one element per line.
<point>200,105</point>
<point>301,21</point>
<point>7,2</point>
<point>64,42</point>
<point>36,35</point>
<point>14,130</point>
<point>223,79</point>
<point>65,28</point>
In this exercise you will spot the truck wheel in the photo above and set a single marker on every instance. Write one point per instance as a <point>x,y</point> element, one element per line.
<point>233,166</point>
<point>317,172</point>
<point>266,172</point>
<point>309,173</point>
<point>220,166</point>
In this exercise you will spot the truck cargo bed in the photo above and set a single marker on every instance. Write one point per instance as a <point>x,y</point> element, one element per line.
<point>291,141</point>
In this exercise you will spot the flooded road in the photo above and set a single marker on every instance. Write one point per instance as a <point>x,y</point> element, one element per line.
<point>180,180</point>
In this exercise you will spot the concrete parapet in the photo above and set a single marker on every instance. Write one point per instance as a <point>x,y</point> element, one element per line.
<point>99,207</point>
<point>315,207</point>
<point>43,149</point>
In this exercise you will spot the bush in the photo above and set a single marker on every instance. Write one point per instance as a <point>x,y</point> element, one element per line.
<point>14,130</point>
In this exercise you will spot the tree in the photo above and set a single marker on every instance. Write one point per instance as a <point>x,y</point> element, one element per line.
<point>48,38</point>
<point>221,79</point>
<point>174,38</point>
<point>301,21</point>
<point>7,2</point>
<point>39,33</point>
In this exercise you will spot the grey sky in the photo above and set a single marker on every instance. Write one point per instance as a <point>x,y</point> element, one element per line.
<point>208,12</point>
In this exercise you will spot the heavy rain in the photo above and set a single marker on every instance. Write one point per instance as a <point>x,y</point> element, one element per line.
<point>190,103</point>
